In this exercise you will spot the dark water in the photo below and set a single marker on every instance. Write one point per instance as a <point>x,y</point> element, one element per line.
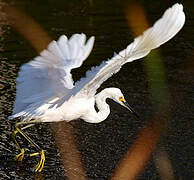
<point>102,145</point>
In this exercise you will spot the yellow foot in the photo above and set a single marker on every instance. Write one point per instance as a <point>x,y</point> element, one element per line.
<point>20,156</point>
<point>40,165</point>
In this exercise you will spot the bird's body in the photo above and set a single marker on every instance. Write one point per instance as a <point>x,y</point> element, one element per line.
<point>82,107</point>
<point>45,88</point>
<point>72,109</point>
<point>69,110</point>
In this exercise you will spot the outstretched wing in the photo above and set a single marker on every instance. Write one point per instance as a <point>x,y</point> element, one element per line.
<point>48,76</point>
<point>163,30</point>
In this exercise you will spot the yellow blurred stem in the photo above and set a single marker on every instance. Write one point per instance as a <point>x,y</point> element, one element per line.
<point>156,74</point>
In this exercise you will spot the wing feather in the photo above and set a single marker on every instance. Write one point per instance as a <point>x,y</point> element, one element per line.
<point>163,30</point>
<point>48,77</point>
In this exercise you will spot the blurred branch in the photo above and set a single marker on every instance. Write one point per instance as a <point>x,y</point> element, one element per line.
<point>71,159</point>
<point>139,153</point>
<point>28,28</point>
<point>163,165</point>
<point>136,18</point>
<point>156,75</point>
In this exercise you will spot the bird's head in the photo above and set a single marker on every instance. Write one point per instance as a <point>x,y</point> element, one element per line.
<point>118,97</point>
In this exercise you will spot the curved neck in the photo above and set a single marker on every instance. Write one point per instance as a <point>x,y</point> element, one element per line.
<point>103,107</point>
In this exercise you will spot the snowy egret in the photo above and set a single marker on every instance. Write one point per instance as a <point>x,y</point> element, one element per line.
<point>46,91</point>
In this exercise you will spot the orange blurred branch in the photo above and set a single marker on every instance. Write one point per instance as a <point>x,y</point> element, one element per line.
<point>71,158</point>
<point>28,28</point>
<point>136,18</point>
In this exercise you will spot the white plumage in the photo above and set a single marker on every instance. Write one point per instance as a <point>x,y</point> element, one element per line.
<point>46,91</point>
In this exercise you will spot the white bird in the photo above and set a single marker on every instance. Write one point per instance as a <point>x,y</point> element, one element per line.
<point>45,88</point>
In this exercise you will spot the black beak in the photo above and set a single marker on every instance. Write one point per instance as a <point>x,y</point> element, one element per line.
<point>131,110</point>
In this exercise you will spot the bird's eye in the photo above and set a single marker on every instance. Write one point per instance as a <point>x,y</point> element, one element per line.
<point>122,99</point>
